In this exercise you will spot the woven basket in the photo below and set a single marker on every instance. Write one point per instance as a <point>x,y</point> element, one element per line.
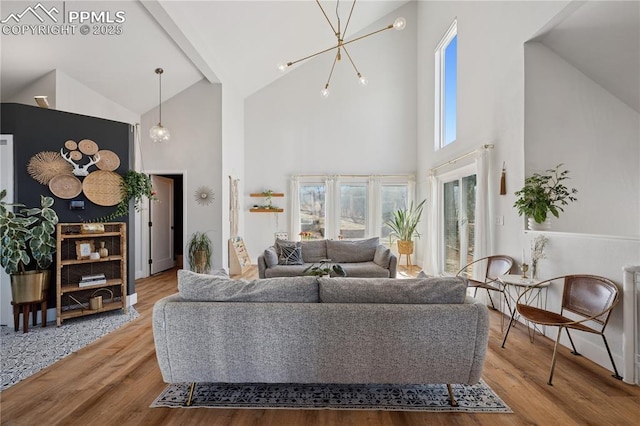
<point>103,188</point>
<point>405,247</point>
<point>65,186</point>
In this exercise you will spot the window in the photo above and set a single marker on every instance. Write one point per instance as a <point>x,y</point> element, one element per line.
<point>459,203</point>
<point>446,88</point>
<point>392,198</point>
<point>353,210</point>
<point>312,210</point>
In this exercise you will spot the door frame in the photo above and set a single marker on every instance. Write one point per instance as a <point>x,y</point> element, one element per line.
<point>144,237</point>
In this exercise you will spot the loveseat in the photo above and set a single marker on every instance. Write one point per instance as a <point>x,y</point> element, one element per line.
<point>320,330</point>
<point>359,258</point>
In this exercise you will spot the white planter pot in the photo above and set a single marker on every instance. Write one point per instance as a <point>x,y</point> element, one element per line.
<point>535,226</point>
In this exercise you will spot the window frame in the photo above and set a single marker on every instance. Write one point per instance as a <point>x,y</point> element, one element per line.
<point>439,107</point>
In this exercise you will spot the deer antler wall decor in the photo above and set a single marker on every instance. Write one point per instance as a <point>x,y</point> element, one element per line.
<point>79,170</point>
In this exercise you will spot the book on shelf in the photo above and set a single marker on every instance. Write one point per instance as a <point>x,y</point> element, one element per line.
<point>89,280</point>
<point>93,277</point>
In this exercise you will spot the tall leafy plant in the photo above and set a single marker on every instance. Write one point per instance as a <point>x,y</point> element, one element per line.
<point>200,248</point>
<point>544,193</point>
<point>404,222</point>
<point>27,236</point>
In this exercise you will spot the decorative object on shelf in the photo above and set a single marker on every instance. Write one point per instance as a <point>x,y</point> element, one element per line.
<point>28,241</point>
<point>525,268</point>
<point>109,160</point>
<point>133,185</point>
<point>268,207</point>
<point>403,226</point>
<point>103,251</point>
<point>84,248</point>
<point>159,133</point>
<point>537,253</point>
<point>325,268</point>
<point>399,24</point>
<point>65,186</point>
<point>92,228</point>
<point>200,249</point>
<point>204,195</point>
<point>46,165</point>
<point>543,194</point>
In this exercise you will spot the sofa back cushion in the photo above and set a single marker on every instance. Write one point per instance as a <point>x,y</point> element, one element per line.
<point>212,288</point>
<point>348,251</point>
<point>313,251</point>
<point>382,256</point>
<point>450,290</point>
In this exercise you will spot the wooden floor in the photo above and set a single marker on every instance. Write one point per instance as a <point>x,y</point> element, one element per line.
<point>113,381</point>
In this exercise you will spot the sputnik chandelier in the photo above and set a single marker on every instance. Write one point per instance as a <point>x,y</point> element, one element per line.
<point>399,24</point>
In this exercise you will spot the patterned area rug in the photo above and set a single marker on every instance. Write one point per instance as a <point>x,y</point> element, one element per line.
<point>24,354</point>
<point>471,399</point>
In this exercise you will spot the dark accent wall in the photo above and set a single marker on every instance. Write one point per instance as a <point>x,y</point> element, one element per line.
<point>37,129</point>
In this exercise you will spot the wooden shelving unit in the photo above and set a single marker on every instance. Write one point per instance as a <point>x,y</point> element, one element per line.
<point>73,300</point>
<point>239,259</point>
<point>265,210</point>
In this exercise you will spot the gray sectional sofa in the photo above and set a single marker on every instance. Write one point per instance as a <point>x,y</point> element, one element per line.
<point>359,258</point>
<point>320,330</point>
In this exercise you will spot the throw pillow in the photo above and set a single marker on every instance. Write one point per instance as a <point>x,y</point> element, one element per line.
<point>271,257</point>
<point>382,256</point>
<point>211,288</point>
<point>289,252</point>
<point>388,290</point>
<point>352,251</point>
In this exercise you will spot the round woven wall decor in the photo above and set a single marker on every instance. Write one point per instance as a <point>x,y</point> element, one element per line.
<point>102,187</point>
<point>65,186</point>
<point>45,165</point>
<point>88,147</point>
<point>108,160</point>
<point>75,155</point>
<point>71,145</point>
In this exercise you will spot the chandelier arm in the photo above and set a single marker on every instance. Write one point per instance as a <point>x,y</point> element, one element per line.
<point>348,19</point>
<point>351,60</point>
<point>331,72</point>
<point>338,45</point>
<point>325,15</point>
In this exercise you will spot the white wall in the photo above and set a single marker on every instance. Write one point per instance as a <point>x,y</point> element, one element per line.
<point>491,109</point>
<point>67,94</point>
<point>232,159</point>
<point>593,133</point>
<point>291,130</point>
<point>194,119</point>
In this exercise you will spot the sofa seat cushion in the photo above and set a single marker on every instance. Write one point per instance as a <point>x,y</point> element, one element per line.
<point>313,251</point>
<point>351,251</point>
<point>441,290</point>
<point>216,288</point>
<point>365,269</point>
<point>286,270</point>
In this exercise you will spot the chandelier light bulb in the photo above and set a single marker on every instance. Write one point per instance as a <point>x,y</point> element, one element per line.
<point>400,23</point>
<point>325,92</point>
<point>363,80</point>
<point>159,133</point>
<point>282,67</point>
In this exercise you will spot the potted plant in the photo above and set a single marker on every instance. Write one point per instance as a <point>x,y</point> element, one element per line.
<point>325,268</point>
<point>27,238</point>
<point>136,186</point>
<point>543,194</point>
<point>200,249</point>
<point>404,225</point>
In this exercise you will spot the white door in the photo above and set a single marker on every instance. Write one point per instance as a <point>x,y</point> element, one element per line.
<point>6,182</point>
<point>161,233</point>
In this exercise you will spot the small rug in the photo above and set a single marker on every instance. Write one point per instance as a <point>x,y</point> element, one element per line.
<point>24,354</point>
<point>478,398</point>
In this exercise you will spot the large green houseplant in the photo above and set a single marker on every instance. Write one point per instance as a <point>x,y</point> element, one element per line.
<point>27,237</point>
<point>200,249</point>
<point>404,224</point>
<point>543,194</point>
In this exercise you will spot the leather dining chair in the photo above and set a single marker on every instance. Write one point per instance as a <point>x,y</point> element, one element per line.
<point>495,266</point>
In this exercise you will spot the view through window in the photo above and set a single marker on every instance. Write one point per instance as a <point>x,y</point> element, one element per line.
<point>446,85</point>
<point>353,210</point>
<point>459,203</point>
<point>312,209</point>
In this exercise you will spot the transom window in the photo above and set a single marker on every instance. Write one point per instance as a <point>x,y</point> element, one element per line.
<point>446,88</point>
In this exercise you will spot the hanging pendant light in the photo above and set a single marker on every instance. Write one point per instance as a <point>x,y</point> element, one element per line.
<point>158,132</point>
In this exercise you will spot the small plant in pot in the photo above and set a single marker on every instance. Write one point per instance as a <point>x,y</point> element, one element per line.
<point>543,194</point>
<point>404,224</point>
<point>325,268</point>
<point>200,249</point>
<point>27,245</point>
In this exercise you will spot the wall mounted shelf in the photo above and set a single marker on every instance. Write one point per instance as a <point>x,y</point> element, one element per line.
<point>260,210</point>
